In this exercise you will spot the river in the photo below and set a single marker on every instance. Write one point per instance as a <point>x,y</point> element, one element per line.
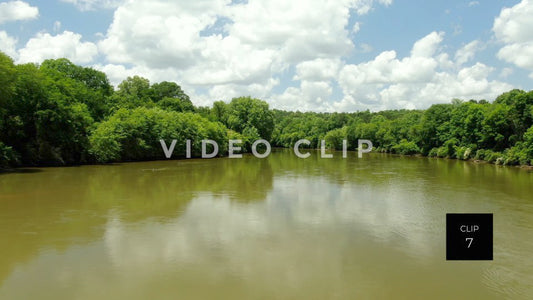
<point>275,228</point>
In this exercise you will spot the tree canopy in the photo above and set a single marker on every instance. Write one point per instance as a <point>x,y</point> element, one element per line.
<point>58,113</point>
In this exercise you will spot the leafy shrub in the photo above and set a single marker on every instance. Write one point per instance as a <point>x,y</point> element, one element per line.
<point>406,148</point>
<point>335,137</point>
<point>8,157</point>
<point>250,135</point>
<point>442,152</point>
<point>450,146</point>
<point>480,154</point>
<point>463,153</point>
<point>493,157</point>
<point>135,134</point>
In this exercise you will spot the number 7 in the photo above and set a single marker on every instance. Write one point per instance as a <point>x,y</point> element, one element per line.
<point>470,242</point>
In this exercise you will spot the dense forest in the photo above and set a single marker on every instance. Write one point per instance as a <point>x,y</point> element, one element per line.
<point>58,113</point>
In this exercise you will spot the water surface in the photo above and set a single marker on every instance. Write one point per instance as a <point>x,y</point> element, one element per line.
<point>250,228</point>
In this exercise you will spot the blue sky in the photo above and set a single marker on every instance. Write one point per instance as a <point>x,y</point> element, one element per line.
<point>343,55</point>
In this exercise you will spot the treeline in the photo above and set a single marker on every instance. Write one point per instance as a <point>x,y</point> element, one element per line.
<point>500,132</point>
<point>58,113</point>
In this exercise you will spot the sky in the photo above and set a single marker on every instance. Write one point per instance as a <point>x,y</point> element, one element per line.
<point>307,55</point>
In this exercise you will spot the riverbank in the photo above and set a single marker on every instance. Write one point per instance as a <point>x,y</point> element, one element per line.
<point>34,168</point>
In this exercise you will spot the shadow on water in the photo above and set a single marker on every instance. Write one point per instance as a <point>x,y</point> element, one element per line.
<point>19,171</point>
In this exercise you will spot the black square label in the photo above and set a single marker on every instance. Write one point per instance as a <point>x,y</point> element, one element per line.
<point>468,236</point>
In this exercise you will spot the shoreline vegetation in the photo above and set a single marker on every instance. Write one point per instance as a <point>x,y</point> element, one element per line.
<point>35,168</point>
<point>58,113</point>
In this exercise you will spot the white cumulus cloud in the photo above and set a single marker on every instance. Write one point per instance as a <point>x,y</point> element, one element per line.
<point>513,28</point>
<point>310,95</point>
<point>219,49</point>
<point>17,10</point>
<point>467,52</point>
<point>417,81</point>
<point>317,69</point>
<point>67,44</point>
<point>8,44</point>
<point>254,43</point>
<point>427,46</point>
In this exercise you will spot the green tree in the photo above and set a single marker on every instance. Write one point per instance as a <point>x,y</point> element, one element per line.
<point>167,89</point>
<point>220,112</point>
<point>435,126</point>
<point>133,92</point>
<point>170,96</point>
<point>84,85</point>
<point>520,104</point>
<point>135,134</point>
<point>334,138</point>
<point>248,112</point>
<point>8,75</point>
